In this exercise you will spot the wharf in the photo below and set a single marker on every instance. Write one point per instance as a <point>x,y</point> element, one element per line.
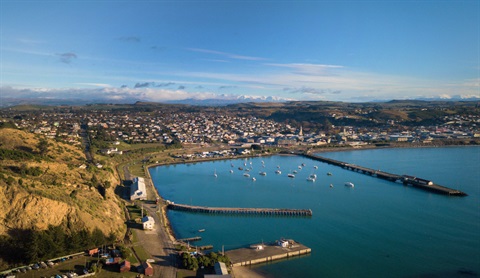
<point>267,253</point>
<point>405,179</point>
<point>248,211</point>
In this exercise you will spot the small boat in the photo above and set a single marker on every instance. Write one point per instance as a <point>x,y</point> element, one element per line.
<point>310,179</point>
<point>262,173</point>
<point>299,167</point>
<point>201,230</point>
<point>313,176</point>
<point>231,171</point>
<point>247,170</point>
<point>240,168</point>
<point>278,172</point>
<point>349,184</point>
<point>246,175</point>
<point>278,166</point>
<point>315,167</point>
<point>254,179</point>
<point>231,164</point>
<point>291,175</point>
<point>303,164</point>
<point>215,173</point>
<point>295,171</point>
<point>329,174</point>
<point>331,185</point>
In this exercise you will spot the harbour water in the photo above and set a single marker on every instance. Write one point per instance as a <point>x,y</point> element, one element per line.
<point>376,229</point>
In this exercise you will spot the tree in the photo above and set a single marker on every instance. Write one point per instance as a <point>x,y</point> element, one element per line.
<point>42,146</point>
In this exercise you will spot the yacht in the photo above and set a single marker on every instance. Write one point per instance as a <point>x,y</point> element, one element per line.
<point>310,179</point>
<point>246,175</point>
<point>254,179</point>
<point>315,167</point>
<point>291,175</point>
<point>331,185</point>
<point>262,173</point>
<point>349,184</point>
<point>278,172</point>
<point>231,171</point>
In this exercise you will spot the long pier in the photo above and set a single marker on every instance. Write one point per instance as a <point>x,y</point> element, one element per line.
<point>405,179</point>
<point>248,211</point>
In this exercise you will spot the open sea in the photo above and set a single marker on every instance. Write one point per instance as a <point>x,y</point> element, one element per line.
<point>376,229</point>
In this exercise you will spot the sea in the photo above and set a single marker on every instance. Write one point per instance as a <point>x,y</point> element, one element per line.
<point>375,229</point>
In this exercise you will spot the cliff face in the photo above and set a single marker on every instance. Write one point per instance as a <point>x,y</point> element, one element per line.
<point>46,185</point>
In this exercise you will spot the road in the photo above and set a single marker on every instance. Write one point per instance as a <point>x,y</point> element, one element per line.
<point>156,242</point>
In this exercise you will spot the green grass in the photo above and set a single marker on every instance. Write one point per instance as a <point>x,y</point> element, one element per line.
<point>141,253</point>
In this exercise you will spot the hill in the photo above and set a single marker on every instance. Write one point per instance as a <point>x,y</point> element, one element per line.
<point>42,185</point>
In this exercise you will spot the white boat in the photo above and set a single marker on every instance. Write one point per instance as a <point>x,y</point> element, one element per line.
<point>331,185</point>
<point>299,167</point>
<point>295,171</point>
<point>278,172</point>
<point>215,173</point>
<point>329,174</point>
<point>303,164</point>
<point>349,184</point>
<point>278,166</point>
<point>262,173</point>
<point>231,171</point>
<point>231,164</point>
<point>315,167</point>
<point>246,175</point>
<point>310,179</point>
<point>313,176</point>
<point>201,230</point>
<point>291,175</point>
<point>254,179</point>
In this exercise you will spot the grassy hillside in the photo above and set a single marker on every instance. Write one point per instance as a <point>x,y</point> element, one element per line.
<point>42,184</point>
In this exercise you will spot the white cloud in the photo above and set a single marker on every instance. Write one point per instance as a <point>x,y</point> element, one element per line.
<point>225,54</point>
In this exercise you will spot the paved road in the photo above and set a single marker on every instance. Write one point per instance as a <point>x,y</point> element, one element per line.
<point>156,242</point>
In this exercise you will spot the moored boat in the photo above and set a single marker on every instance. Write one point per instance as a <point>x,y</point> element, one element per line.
<point>349,184</point>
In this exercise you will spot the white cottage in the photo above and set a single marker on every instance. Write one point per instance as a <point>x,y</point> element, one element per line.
<point>148,222</point>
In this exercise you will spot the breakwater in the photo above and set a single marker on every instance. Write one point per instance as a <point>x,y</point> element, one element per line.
<point>247,211</point>
<point>417,182</point>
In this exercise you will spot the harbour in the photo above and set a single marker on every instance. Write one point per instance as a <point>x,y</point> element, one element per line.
<point>372,226</point>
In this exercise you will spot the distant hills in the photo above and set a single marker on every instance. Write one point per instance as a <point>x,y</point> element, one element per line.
<point>221,100</point>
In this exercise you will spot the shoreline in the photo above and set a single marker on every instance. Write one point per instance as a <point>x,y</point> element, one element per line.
<point>247,272</point>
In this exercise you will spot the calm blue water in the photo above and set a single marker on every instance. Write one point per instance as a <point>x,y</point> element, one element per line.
<point>377,229</point>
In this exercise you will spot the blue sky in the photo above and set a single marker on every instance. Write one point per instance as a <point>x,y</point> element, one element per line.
<point>303,50</point>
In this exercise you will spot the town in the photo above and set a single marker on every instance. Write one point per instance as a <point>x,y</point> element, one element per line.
<point>202,126</point>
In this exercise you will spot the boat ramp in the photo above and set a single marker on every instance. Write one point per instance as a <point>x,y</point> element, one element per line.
<point>405,179</point>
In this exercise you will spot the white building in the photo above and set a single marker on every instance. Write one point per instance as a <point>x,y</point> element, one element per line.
<point>148,222</point>
<point>138,190</point>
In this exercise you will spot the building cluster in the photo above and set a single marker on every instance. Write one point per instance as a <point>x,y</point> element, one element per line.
<point>209,127</point>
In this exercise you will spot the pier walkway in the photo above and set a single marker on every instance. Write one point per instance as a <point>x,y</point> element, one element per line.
<point>250,211</point>
<point>405,179</point>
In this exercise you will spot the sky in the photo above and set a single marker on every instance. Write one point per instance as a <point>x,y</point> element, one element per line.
<point>353,51</point>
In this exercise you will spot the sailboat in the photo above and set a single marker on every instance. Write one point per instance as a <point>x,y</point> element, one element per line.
<point>215,173</point>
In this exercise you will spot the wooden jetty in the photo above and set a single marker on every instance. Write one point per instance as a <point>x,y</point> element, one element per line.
<point>197,238</point>
<point>248,211</point>
<point>405,179</point>
<point>262,253</point>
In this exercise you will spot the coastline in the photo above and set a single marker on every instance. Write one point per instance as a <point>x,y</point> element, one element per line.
<point>242,271</point>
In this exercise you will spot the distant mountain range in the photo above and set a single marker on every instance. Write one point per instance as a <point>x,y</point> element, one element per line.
<point>222,100</point>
